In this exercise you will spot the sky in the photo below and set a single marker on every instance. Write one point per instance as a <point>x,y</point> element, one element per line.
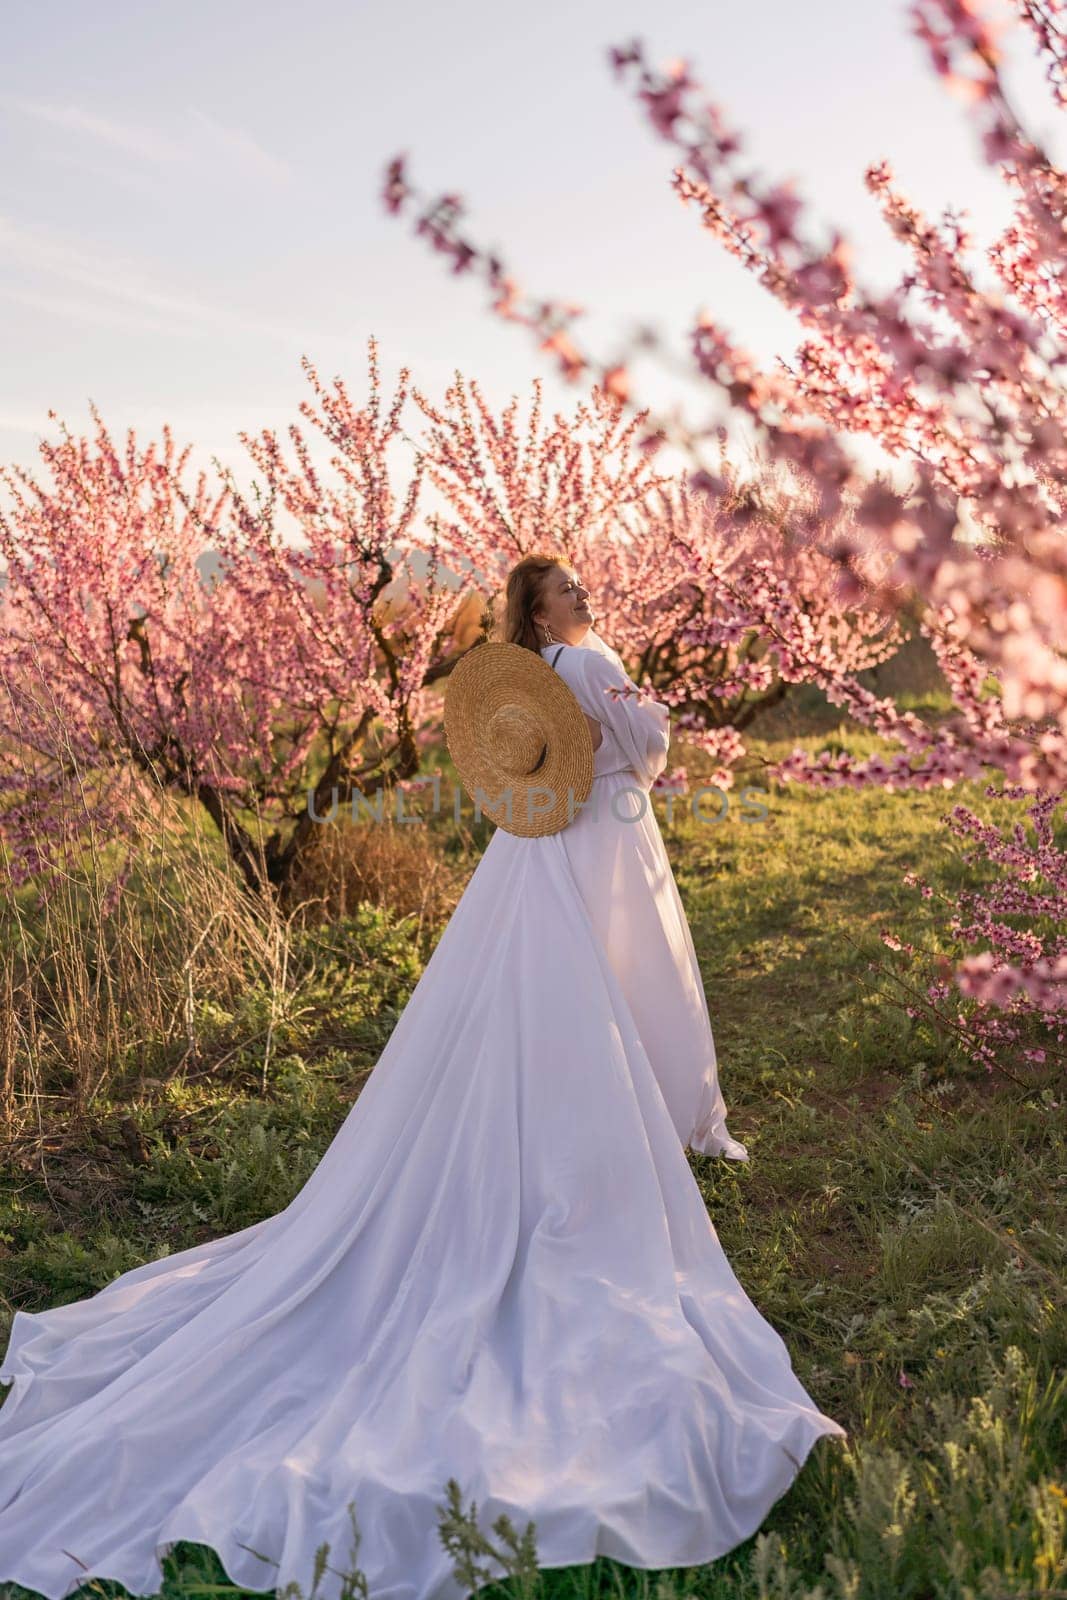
<point>190,195</point>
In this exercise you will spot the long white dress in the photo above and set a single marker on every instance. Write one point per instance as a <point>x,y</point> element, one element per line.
<point>501,1270</point>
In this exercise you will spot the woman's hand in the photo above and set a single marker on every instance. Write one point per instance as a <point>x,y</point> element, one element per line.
<point>596,729</point>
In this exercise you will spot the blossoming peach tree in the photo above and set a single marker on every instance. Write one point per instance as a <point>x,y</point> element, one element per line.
<point>957,374</point>
<point>158,635</point>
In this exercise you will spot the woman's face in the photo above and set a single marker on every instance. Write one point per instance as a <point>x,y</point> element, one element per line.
<point>564,606</point>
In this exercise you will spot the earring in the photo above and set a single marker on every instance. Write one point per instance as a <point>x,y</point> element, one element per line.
<point>550,637</point>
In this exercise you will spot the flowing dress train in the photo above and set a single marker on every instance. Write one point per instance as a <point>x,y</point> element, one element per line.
<point>501,1270</point>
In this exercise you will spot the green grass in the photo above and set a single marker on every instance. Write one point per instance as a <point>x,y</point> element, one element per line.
<point>901,1222</point>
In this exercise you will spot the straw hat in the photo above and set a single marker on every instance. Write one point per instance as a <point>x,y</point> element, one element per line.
<point>513,726</point>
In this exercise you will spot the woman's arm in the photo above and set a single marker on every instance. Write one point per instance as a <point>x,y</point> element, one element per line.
<point>642,727</point>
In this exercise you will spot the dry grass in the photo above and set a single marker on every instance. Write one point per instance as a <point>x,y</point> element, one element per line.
<point>387,864</point>
<point>101,987</point>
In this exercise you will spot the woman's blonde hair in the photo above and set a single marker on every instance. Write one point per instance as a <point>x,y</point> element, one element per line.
<point>523,593</point>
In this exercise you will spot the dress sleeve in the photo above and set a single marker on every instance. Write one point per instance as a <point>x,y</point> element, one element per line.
<point>642,727</point>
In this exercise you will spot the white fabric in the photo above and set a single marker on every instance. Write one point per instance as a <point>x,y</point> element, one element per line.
<point>501,1270</point>
<point>623,874</point>
<point>636,732</point>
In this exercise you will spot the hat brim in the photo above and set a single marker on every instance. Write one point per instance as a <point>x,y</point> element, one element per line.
<point>488,678</point>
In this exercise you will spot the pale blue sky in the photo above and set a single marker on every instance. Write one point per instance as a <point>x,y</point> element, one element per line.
<point>189,194</point>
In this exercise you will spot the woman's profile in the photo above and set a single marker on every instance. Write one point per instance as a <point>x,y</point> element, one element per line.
<point>501,1270</point>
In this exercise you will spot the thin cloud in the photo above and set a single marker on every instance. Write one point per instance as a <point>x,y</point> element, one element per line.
<point>126,177</point>
<point>118,287</point>
<point>88,313</point>
<point>208,139</point>
<point>246,151</point>
<point>136,141</point>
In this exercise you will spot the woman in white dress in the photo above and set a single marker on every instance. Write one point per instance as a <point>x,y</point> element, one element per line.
<point>501,1270</point>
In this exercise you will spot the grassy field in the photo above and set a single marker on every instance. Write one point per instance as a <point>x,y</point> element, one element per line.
<point>901,1222</point>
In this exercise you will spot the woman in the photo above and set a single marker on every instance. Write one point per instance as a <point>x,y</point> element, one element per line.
<point>617,855</point>
<point>501,1270</point>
